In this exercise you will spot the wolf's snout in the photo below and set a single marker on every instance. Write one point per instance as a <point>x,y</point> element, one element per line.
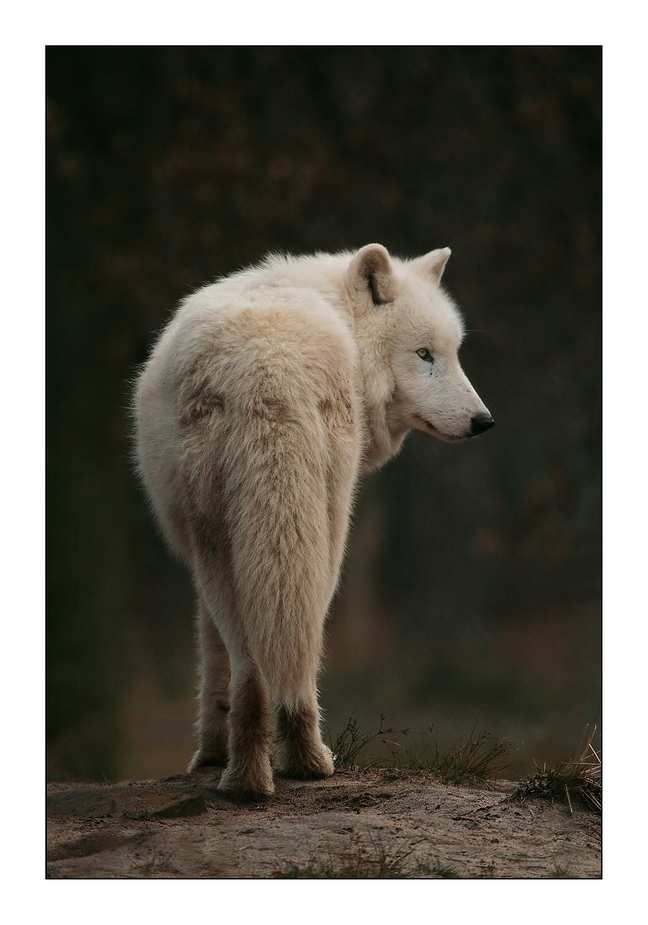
<point>480,422</point>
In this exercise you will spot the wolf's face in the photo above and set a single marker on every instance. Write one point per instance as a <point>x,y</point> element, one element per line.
<point>432,392</point>
<point>422,332</point>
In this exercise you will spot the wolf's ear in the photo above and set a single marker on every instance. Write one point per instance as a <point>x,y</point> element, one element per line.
<point>370,271</point>
<point>433,264</point>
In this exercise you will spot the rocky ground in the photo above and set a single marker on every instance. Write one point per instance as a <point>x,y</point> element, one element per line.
<point>356,824</point>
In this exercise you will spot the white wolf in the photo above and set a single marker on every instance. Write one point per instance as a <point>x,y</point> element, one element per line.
<point>264,398</point>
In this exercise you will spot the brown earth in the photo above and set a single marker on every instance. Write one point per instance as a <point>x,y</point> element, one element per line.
<point>369,823</point>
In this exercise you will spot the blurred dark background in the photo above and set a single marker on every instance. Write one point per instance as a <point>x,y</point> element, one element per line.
<point>472,588</point>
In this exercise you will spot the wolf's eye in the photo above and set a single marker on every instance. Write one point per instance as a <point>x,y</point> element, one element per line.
<point>425,355</point>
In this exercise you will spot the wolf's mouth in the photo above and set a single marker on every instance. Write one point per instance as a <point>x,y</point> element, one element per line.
<point>448,438</point>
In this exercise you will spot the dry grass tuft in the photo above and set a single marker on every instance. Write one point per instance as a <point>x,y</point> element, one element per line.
<point>473,761</point>
<point>576,780</point>
<point>347,746</point>
<point>476,760</point>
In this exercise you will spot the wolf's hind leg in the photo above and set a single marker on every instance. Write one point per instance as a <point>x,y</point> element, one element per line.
<point>214,706</point>
<point>301,753</point>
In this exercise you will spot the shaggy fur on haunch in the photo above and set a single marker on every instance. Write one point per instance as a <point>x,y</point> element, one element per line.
<point>266,395</point>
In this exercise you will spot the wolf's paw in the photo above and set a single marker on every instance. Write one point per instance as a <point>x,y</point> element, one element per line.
<point>315,763</point>
<point>244,784</point>
<point>324,766</point>
<point>208,759</point>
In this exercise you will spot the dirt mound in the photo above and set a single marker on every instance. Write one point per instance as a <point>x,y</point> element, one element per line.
<point>370,823</point>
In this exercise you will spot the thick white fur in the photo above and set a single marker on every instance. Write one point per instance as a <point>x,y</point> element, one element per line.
<point>265,396</point>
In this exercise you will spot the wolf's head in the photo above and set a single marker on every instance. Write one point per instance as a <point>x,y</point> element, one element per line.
<point>409,332</point>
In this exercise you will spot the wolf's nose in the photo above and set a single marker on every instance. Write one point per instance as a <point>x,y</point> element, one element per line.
<point>480,422</point>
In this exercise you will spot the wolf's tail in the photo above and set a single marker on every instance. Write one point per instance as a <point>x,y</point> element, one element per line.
<point>280,540</point>
<point>268,487</point>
